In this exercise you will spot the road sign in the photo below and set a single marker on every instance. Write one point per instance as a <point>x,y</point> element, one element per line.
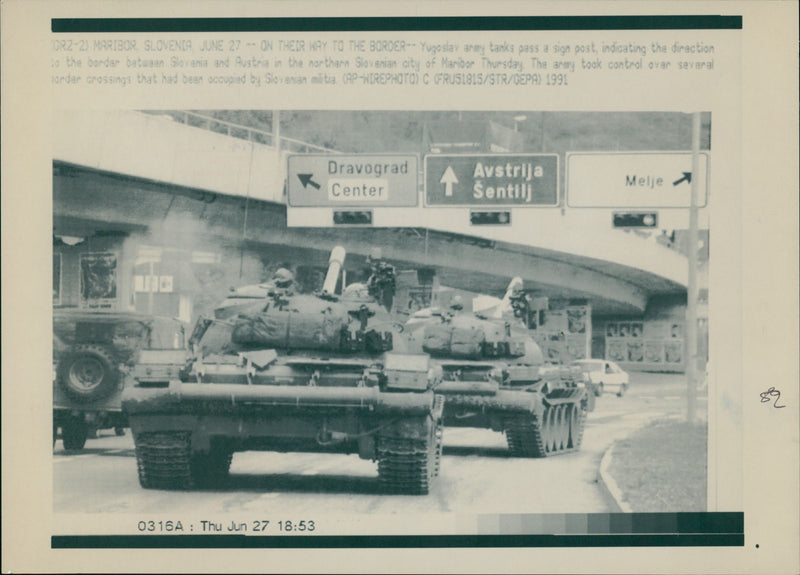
<point>359,180</point>
<point>635,219</point>
<point>634,179</point>
<point>491,180</point>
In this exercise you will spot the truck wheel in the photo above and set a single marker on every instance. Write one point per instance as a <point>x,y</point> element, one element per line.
<point>73,433</point>
<point>622,389</point>
<point>88,373</point>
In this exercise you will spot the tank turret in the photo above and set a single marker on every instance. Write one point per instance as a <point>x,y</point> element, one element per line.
<point>272,315</point>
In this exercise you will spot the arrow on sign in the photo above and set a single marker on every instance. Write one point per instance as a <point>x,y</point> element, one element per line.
<point>306,180</point>
<point>687,177</point>
<point>448,179</point>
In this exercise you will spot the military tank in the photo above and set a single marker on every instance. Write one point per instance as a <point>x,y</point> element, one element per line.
<point>494,376</point>
<point>276,370</point>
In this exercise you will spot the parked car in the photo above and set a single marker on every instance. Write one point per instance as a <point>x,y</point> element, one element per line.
<point>604,375</point>
<point>93,352</point>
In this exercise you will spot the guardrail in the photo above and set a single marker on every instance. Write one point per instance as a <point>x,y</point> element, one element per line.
<point>240,131</point>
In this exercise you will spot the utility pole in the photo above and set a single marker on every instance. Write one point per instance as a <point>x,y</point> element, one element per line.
<point>691,292</point>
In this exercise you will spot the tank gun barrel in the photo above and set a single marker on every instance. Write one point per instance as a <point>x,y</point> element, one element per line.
<point>335,264</point>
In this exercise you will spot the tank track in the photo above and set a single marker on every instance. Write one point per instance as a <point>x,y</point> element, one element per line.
<point>408,466</point>
<point>439,442</point>
<point>164,460</point>
<point>404,465</point>
<point>560,430</point>
<point>438,435</point>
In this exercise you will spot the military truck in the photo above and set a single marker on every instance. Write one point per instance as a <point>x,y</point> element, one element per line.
<point>93,352</point>
<point>495,377</point>
<point>276,370</point>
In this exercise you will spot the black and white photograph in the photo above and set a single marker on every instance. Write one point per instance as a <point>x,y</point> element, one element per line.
<point>211,353</point>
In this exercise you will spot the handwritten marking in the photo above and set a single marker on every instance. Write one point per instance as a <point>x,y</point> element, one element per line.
<point>767,396</point>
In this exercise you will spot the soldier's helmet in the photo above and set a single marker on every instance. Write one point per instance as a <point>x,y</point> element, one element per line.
<point>283,278</point>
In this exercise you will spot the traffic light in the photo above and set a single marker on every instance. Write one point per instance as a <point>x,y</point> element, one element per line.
<point>352,218</point>
<point>635,219</point>
<point>490,218</point>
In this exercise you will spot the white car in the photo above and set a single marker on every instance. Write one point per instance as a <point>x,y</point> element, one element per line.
<point>604,375</point>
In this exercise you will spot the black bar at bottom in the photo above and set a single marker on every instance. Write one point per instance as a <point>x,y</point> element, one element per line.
<point>389,541</point>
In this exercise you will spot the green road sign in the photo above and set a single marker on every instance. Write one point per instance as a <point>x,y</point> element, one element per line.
<point>491,180</point>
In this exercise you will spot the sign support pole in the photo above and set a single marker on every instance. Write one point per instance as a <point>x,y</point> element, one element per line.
<point>691,292</point>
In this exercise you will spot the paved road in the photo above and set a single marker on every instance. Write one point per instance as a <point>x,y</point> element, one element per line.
<point>477,475</point>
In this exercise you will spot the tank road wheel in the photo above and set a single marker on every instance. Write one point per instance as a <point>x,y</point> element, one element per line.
<point>405,465</point>
<point>544,428</point>
<point>577,432</point>
<point>576,420</point>
<point>74,432</point>
<point>210,469</point>
<point>562,426</point>
<point>550,426</point>
<point>572,422</point>
<point>164,460</point>
<point>559,430</point>
<point>88,373</point>
<point>556,429</point>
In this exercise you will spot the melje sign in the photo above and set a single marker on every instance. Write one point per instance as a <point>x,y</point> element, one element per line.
<point>635,179</point>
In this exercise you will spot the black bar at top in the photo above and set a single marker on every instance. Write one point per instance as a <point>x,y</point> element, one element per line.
<point>397,24</point>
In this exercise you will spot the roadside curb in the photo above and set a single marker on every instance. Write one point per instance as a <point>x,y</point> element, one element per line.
<point>609,487</point>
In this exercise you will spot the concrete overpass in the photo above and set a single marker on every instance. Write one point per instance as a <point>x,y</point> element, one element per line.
<point>131,171</point>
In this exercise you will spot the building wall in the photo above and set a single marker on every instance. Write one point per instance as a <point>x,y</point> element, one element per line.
<point>92,274</point>
<point>641,344</point>
<point>129,272</point>
<point>563,330</point>
<point>654,341</point>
